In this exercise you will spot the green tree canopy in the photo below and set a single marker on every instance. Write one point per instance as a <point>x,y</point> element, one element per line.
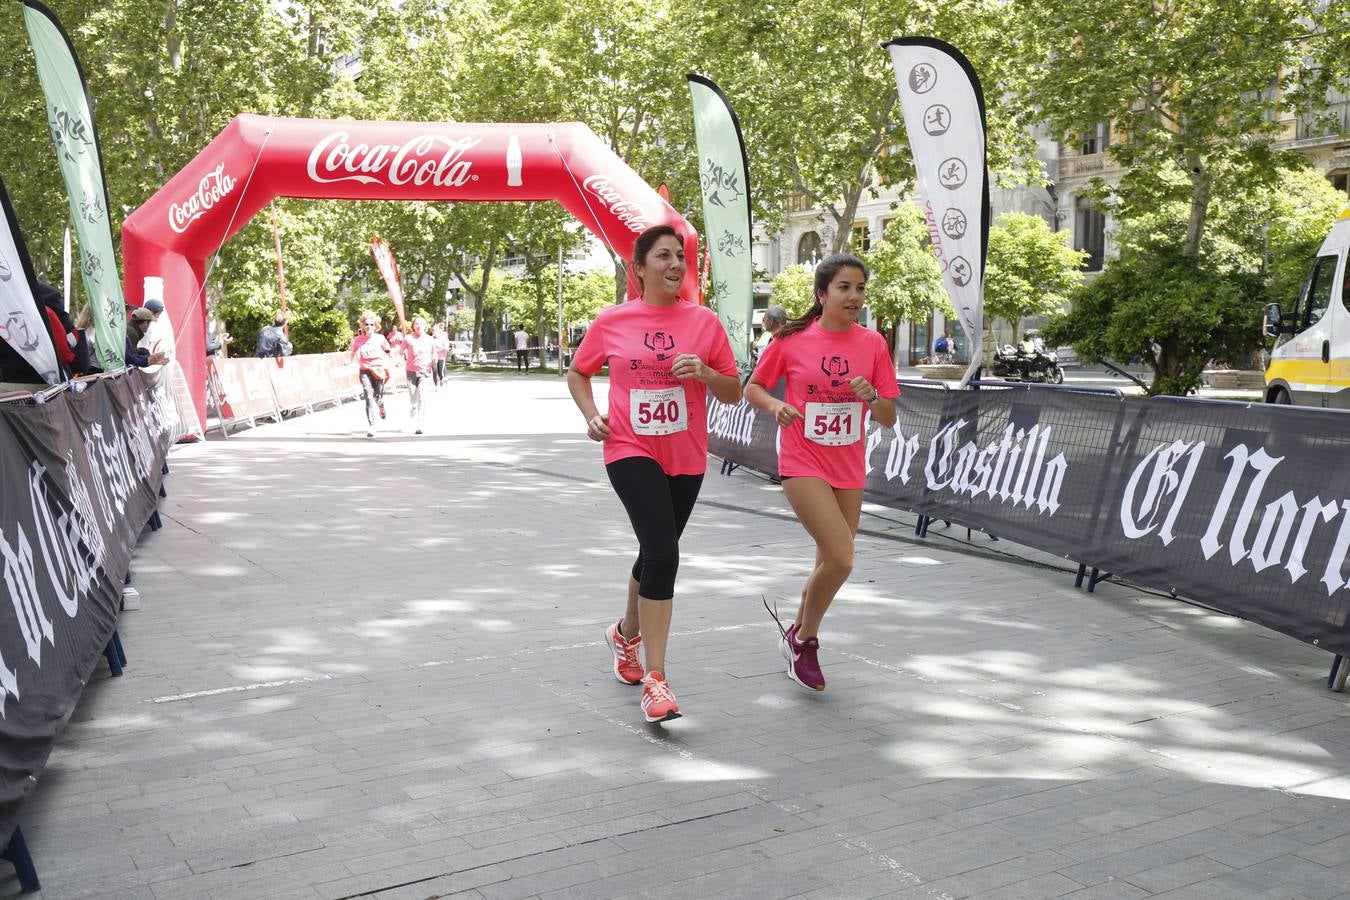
<point>1030,271</point>
<point>906,282</point>
<point>1171,310</point>
<point>794,290</point>
<point>1193,90</point>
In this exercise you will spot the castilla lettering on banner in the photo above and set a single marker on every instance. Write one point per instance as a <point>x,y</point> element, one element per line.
<point>732,423</point>
<point>335,159</point>
<point>1013,467</point>
<point>631,214</point>
<point>210,190</point>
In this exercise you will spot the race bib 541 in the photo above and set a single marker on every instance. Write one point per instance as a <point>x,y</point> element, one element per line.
<point>834,424</point>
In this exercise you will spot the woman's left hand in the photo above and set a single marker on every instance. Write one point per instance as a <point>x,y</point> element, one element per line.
<point>688,365</point>
<point>862,389</point>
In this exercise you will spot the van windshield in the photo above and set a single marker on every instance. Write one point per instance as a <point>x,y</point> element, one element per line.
<point>1317,292</point>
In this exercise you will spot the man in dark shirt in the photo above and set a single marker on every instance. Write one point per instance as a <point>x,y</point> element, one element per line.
<point>272,339</point>
<point>136,329</point>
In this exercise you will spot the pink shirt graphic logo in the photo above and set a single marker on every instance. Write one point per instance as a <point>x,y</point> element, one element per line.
<point>414,162</point>
<point>659,343</point>
<point>835,368</point>
<point>631,214</point>
<point>213,187</point>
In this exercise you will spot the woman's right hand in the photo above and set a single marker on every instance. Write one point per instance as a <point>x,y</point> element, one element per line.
<point>786,414</point>
<point>597,429</point>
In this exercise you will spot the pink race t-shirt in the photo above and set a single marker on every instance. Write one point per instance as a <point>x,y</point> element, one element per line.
<point>829,440</point>
<point>651,412</point>
<point>371,351</point>
<point>419,353</point>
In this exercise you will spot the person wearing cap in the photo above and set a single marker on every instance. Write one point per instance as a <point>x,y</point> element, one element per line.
<point>137,326</point>
<point>159,338</point>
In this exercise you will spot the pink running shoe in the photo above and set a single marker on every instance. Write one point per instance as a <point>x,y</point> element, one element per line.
<point>626,666</point>
<point>658,703</point>
<point>803,662</point>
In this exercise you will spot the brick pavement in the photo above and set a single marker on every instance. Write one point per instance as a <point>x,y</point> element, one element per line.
<point>376,669</point>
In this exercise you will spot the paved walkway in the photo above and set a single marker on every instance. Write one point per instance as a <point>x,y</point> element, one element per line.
<point>375,668</point>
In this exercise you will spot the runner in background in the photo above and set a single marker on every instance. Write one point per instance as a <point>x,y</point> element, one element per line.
<point>837,372</point>
<point>442,351</point>
<point>370,351</point>
<point>664,354</point>
<point>419,352</point>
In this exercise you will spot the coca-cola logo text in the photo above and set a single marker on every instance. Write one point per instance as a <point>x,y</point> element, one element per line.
<point>630,214</point>
<point>213,187</point>
<point>335,159</point>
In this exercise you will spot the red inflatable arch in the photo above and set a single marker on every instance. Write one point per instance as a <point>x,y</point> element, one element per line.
<point>257,158</point>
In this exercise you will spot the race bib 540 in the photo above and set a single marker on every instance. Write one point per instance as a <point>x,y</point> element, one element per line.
<point>658,412</point>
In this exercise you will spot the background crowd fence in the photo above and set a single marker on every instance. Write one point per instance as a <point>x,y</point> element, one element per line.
<point>80,475</point>
<point>1242,507</point>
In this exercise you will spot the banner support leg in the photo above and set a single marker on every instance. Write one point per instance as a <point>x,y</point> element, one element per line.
<point>1340,667</point>
<point>111,655</point>
<point>17,853</point>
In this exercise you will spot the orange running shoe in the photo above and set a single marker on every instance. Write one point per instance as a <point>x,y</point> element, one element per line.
<point>626,666</point>
<point>658,703</point>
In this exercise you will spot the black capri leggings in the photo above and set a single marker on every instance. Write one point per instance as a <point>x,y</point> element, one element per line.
<point>658,505</point>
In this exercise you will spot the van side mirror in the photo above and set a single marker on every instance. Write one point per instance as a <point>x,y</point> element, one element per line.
<point>1272,325</point>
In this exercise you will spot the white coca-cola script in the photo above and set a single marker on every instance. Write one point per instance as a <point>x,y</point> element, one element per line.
<point>415,161</point>
<point>214,186</point>
<point>630,214</point>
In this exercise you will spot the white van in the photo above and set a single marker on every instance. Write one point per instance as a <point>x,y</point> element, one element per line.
<point>1310,365</point>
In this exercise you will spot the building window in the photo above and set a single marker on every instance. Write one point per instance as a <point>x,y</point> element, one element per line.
<point>798,202</point>
<point>809,250</point>
<point>1094,140</point>
<point>1089,233</point>
<point>860,239</point>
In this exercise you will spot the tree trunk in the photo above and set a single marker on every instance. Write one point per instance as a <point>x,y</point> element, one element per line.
<point>1201,188</point>
<point>844,220</point>
<point>620,280</point>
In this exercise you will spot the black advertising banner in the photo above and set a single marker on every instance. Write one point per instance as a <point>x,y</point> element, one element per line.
<point>79,478</point>
<point>1243,507</point>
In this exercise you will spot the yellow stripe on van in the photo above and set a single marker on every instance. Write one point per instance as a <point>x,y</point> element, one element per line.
<point>1345,214</point>
<point>1309,372</point>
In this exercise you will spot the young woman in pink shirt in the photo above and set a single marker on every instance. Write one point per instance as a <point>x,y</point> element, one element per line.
<point>837,373</point>
<point>664,354</point>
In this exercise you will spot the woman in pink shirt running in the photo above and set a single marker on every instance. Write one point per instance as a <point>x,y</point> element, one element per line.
<point>837,372</point>
<point>664,355</point>
<point>370,352</point>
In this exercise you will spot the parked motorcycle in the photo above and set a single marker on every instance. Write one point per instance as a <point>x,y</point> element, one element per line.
<point>1035,366</point>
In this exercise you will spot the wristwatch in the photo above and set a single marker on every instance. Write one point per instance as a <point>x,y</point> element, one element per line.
<point>876,395</point>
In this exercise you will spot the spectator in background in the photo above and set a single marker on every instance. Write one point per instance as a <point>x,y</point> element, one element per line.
<point>775,317</point>
<point>137,326</point>
<point>522,338</point>
<point>59,325</point>
<point>159,336</point>
<point>272,340</point>
<point>84,343</point>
